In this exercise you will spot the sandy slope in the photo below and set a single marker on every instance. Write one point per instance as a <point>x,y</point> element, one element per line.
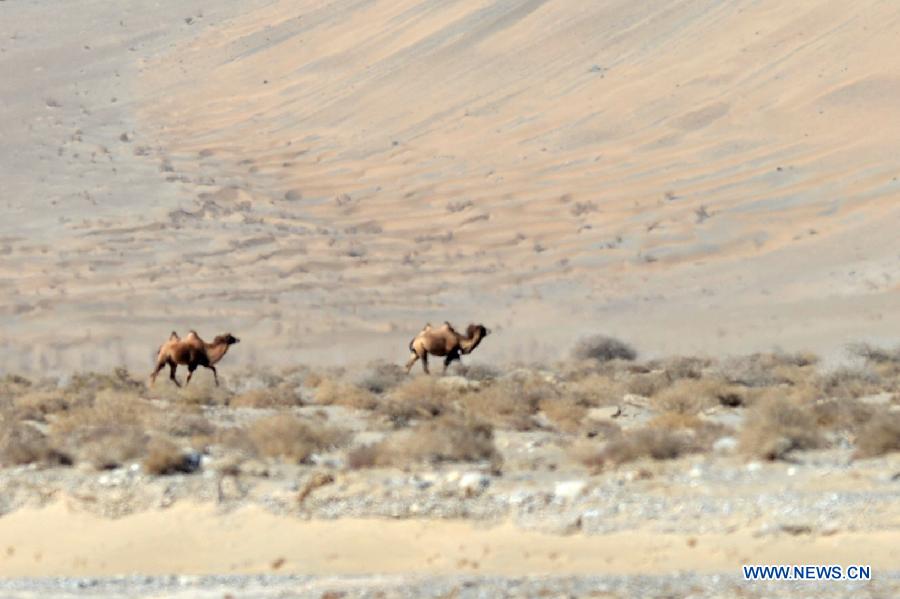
<point>322,178</point>
<point>190,539</point>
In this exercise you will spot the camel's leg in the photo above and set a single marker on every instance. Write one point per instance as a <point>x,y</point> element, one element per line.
<point>425,363</point>
<point>159,366</point>
<point>411,361</point>
<point>449,360</point>
<point>172,367</point>
<point>215,374</point>
<point>191,369</point>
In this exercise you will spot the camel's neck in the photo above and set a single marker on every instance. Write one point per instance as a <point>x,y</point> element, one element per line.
<point>216,351</point>
<point>467,344</point>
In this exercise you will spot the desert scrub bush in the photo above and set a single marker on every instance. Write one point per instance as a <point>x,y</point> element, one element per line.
<point>774,427</point>
<point>290,438</point>
<point>201,392</point>
<point>691,396</point>
<point>37,405</point>
<point>282,395</point>
<point>421,397</point>
<point>647,384</point>
<point>644,443</point>
<point>511,402</point>
<point>873,354</point>
<point>381,377</point>
<point>164,457</point>
<point>847,415</point>
<point>851,383</point>
<point>22,443</point>
<point>681,367</point>
<point>330,392</point>
<point>448,438</point>
<point>603,349</point>
<point>879,436</point>
<point>83,386</point>
<point>109,431</point>
<point>477,372</point>
<point>597,390</point>
<point>768,369</point>
<point>565,413</point>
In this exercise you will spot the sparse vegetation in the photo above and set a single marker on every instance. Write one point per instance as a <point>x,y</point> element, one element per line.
<point>287,436</point>
<point>603,349</point>
<point>774,427</point>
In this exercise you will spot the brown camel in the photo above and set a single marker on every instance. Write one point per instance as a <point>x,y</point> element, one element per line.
<point>444,341</point>
<point>191,351</point>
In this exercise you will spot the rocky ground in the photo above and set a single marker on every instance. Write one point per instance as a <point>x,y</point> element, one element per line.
<point>693,466</point>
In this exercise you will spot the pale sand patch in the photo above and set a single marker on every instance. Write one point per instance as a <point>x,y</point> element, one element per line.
<point>195,539</point>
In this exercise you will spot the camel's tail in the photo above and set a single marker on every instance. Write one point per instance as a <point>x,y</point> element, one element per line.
<point>411,341</point>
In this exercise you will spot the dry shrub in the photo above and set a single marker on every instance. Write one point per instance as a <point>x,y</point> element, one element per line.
<point>774,427</point>
<point>163,457</point>
<point>702,433</point>
<point>335,393</point>
<point>477,372</point>
<point>37,405</point>
<point>86,385</point>
<point>510,403</point>
<point>880,436</point>
<point>597,390</point>
<point>444,439</point>
<point>681,367</point>
<point>767,370</point>
<point>651,442</point>
<point>851,383</point>
<point>875,355</point>
<point>286,436</point>
<point>283,395</point>
<point>566,413</point>
<point>420,397</point>
<point>843,415</point>
<point>603,349</point>
<point>382,377</point>
<point>648,384</point>
<point>108,432</point>
<point>22,443</point>
<point>691,396</point>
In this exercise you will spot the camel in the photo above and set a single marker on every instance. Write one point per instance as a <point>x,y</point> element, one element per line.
<point>444,341</point>
<point>191,351</point>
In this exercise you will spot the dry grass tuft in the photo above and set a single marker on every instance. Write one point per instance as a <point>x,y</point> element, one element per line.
<point>603,349</point>
<point>21,443</point>
<point>335,393</point>
<point>850,383</point>
<point>880,436</point>
<point>108,432</point>
<point>566,413</point>
<point>283,395</point>
<point>691,396</point>
<point>774,427</point>
<point>510,403</point>
<point>163,457</point>
<point>382,377</point>
<point>652,442</point>
<point>597,390</point>
<point>444,439</point>
<point>768,370</point>
<point>420,397</point>
<point>286,436</point>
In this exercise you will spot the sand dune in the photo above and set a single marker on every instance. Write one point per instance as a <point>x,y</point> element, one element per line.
<point>321,179</point>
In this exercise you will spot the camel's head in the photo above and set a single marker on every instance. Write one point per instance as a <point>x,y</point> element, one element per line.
<point>228,338</point>
<point>477,330</point>
<point>474,334</point>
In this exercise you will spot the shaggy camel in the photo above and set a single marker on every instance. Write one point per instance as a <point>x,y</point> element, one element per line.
<point>191,351</point>
<point>444,341</point>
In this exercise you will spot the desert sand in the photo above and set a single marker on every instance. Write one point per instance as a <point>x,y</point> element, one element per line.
<point>323,179</point>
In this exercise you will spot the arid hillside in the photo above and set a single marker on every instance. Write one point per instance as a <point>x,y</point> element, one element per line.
<point>323,178</point>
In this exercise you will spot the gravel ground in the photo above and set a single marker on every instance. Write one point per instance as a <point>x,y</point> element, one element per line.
<point>885,584</point>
